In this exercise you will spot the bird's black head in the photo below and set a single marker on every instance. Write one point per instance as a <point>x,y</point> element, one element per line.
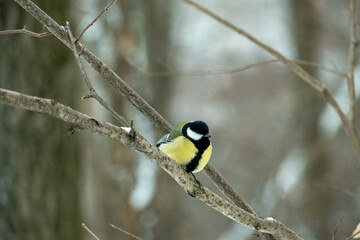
<point>196,130</point>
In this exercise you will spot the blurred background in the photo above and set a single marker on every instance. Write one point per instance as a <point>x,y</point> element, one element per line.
<point>275,139</point>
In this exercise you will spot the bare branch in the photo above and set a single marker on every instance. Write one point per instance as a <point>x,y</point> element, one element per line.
<point>87,229</point>
<point>93,93</point>
<point>356,233</point>
<point>119,84</point>
<point>320,67</point>
<point>336,228</point>
<point>141,145</point>
<point>318,86</point>
<point>25,31</point>
<point>172,72</point>
<point>329,187</point>
<point>350,131</point>
<point>353,235</point>
<point>292,65</point>
<point>351,62</point>
<point>92,23</point>
<point>226,189</point>
<point>126,232</point>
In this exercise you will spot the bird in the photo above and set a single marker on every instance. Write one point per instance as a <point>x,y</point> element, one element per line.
<point>189,145</point>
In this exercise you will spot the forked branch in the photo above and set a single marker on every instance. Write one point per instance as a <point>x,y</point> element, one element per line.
<point>93,93</point>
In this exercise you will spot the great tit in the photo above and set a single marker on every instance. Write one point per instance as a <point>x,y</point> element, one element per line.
<point>189,145</point>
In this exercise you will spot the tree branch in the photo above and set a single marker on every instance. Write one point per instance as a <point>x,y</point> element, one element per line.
<point>224,186</point>
<point>25,31</point>
<point>351,62</point>
<point>172,72</point>
<point>92,23</point>
<point>93,93</point>
<point>140,144</point>
<point>121,86</point>
<point>143,107</point>
<point>318,86</point>
<point>292,65</point>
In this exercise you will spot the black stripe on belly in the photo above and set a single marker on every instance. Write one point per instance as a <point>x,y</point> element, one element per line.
<point>194,162</point>
<point>201,145</point>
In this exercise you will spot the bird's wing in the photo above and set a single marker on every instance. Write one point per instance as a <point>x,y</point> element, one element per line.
<point>169,137</point>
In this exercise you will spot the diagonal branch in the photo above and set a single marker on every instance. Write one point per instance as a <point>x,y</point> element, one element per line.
<point>226,189</point>
<point>92,23</point>
<point>140,144</point>
<point>93,93</point>
<point>304,75</point>
<point>291,64</point>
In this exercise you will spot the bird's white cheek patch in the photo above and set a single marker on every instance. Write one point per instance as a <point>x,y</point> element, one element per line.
<point>193,135</point>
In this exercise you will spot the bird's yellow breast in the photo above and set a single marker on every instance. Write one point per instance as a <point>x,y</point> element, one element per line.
<point>180,149</point>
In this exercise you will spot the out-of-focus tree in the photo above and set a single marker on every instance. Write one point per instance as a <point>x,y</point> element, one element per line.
<point>265,122</point>
<point>39,163</point>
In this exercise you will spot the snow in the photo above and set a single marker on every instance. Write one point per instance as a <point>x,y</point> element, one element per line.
<point>126,129</point>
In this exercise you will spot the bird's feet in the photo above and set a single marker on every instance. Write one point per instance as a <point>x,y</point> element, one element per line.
<point>199,183</point>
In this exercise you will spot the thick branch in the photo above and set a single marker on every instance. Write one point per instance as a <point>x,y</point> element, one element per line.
<point>140,144</point>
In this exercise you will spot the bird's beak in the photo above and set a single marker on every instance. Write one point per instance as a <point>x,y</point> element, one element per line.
<point>207,136</point>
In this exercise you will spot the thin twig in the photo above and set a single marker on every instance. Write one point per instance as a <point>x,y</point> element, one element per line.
<point>351,62</point>
<point>336,228</point>
<point>320,67</point>
<point>132,131</point>
<point>172,72</point>
<point>329,187</point>
<point>93,93</point>
<point>25,31</point>
<point>87,229</point>
<point>92,23</point>
<point>126,232</point>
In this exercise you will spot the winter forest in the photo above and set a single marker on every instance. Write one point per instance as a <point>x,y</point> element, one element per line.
<point>88,87</point>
